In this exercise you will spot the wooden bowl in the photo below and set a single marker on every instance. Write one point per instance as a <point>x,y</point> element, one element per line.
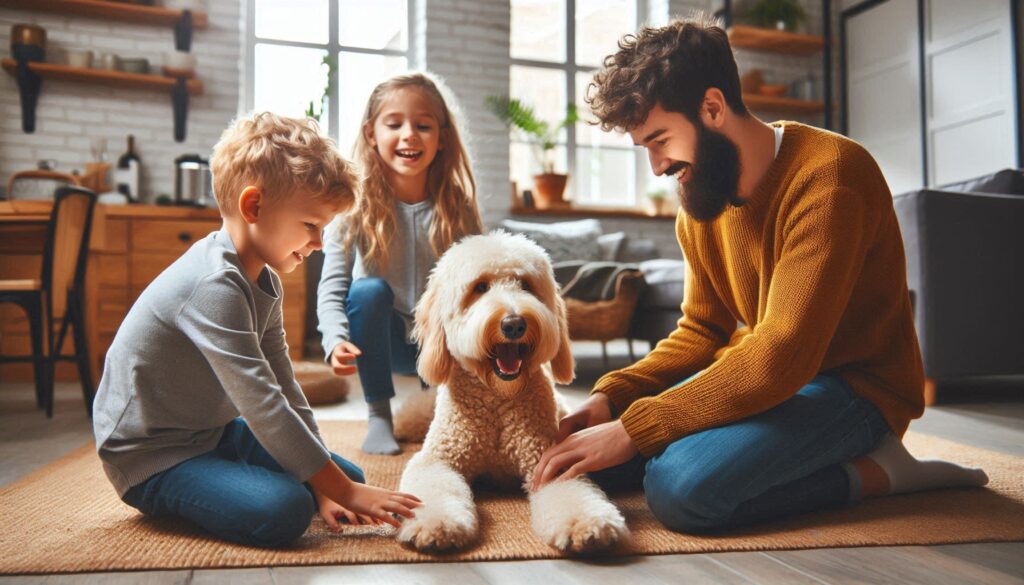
<point>774,89</point>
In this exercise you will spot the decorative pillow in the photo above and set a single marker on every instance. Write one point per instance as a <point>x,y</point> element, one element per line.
<point>564,241</point>
<point>611,244</point>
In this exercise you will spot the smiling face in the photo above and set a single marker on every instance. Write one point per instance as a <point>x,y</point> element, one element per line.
<point>406,132</point>
<point>289,229</point>
<point>491,308</point>
<point>704,162</point>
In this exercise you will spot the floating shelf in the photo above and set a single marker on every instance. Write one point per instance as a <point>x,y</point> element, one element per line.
<point>569,211</point>
<point>782,104</point>
<point>775,41</point>
<point>151,15</point>
<point>104,77</point>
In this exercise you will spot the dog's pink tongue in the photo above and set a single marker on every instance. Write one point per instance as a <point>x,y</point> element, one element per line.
<point>508,358</point>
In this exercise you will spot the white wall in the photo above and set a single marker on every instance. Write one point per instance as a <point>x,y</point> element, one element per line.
<point>70,114</point>
<point>467,43</point>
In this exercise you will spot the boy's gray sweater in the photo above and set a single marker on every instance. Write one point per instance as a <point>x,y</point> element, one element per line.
<point>201,346</point>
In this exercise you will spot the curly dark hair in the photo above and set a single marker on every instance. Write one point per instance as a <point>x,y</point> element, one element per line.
<point>673,65</point>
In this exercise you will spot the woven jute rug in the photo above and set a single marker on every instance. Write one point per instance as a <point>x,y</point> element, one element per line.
<point>66,518</point>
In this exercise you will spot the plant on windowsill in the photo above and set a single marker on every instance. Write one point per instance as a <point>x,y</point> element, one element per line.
<point>312,110</point>
<point>778,14</point>
<point>549,186</point>
<point>658,201</point>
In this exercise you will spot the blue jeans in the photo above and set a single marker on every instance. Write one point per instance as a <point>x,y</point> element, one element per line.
<point>238,492</point>
<point>380,334</point>
<point>788,460</point>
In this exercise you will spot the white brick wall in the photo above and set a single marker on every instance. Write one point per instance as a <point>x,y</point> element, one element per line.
<point>70,114</point>
<point>467,43</point>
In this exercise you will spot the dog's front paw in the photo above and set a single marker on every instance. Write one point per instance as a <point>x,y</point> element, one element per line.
<point>575,517</point>
<point>429,532</point>
<point>587,533</point>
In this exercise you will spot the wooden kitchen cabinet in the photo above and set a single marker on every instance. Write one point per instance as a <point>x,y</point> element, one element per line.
<point>129,247</point>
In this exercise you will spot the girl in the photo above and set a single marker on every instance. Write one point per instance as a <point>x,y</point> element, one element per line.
<point>417,198</point>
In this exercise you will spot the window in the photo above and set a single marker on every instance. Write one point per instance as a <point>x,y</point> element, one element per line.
<point>366,41</point>
<point>557,45</point>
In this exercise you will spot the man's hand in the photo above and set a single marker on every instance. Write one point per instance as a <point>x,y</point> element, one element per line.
<point>591,449</point>
<point>594,411</point>
<point>332,511</point>
<point>342,357</point>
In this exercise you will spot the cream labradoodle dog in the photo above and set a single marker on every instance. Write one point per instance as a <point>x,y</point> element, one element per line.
<point>492,331</point>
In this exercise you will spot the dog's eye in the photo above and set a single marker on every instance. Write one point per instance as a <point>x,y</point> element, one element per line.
<point>481,287</point>
<point>526,285</point>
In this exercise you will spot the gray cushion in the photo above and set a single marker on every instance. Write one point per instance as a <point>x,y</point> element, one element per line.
<point>1004,182</point>
<point>564,241</point>
<point>611,244</point>
<point>665,278</point>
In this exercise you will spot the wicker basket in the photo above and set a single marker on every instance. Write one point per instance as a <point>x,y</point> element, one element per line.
<point>605,320</point>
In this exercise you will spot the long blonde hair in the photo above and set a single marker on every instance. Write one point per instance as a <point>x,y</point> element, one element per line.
<point>449,181</point>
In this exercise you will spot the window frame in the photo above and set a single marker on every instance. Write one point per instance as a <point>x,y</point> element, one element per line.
<point>334,50</point>
<point>571,68</point>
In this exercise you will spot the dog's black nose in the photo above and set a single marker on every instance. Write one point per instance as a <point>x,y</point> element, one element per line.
<point>513,327</point>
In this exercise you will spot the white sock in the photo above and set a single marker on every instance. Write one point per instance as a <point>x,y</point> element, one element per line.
<point>380,433</point>
<point>907,474</point>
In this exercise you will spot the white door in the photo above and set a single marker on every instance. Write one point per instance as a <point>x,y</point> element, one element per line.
<point>883,90</point>
<point>970,89</point>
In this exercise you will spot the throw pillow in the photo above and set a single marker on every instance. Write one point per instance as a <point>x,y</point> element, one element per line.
<point>564,241</point>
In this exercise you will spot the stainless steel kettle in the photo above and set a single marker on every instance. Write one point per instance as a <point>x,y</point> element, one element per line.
<point>193,182</point>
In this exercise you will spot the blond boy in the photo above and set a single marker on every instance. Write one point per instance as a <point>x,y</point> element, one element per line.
<point>198,413</point>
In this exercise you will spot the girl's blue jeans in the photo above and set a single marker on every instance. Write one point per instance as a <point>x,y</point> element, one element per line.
<point>791,459</point>
<point>237,492</point>
<point>380,334</point>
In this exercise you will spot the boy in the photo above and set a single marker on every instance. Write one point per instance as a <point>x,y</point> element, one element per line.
<point>204,344</point>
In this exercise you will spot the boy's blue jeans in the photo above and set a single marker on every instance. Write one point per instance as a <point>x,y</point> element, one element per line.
<point>788,460</point>
<point>380,334</point>
<point>238,492</point>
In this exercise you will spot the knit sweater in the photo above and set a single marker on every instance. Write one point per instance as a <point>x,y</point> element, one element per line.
<point>812,267</point>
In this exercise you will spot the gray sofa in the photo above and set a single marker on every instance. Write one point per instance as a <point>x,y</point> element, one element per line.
<point>658,308</point>
<point>965,268</point>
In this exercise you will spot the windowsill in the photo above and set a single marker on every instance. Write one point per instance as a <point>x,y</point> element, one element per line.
<point>571,211</point>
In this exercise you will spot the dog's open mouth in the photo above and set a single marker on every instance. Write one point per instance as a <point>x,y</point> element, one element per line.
<point>508,359</point>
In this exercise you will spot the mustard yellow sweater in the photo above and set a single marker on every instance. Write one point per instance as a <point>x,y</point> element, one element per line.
<point>812,266</point>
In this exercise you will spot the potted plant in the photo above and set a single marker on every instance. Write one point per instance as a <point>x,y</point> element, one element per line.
<point>777,14</point>
<point>549,186</point>
<point>657,200</point>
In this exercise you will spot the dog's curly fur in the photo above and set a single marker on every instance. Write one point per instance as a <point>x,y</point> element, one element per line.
<point>493,419</point>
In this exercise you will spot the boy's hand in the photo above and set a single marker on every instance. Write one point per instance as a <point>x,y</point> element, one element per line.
<point>381,504</point>
<point>332,511</point>
<point>344,353</point>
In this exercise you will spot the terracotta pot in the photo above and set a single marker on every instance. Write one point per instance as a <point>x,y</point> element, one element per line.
<point>549,189</point>
<point>657,205</point>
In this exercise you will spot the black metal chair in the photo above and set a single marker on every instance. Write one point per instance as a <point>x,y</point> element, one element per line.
<point>58,296</point>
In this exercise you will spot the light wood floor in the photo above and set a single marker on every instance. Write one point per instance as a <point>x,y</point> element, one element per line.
<point>28,441</point>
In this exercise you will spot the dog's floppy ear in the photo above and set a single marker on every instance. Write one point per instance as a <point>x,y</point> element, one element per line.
<point>563,366</point>
<point>434,363</point>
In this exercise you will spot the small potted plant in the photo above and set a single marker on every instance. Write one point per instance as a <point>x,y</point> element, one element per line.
<point>549,186</point>
<point>778,14</point>
<point>658,201</point>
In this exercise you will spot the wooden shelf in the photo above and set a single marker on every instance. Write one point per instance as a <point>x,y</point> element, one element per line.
<point>783,105</point>
<point>136,13</point>
<point>105,77</point>
<point>775,41</point>
<point>628,212</point>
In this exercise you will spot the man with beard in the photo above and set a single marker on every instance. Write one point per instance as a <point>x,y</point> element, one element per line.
<point>795,369</point>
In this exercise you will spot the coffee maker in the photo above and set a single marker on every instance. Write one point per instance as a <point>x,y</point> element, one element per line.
<point>193,182</point>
